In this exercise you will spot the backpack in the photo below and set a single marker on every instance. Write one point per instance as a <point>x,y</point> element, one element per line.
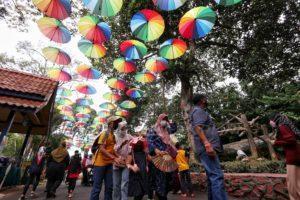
<point>96,145</point>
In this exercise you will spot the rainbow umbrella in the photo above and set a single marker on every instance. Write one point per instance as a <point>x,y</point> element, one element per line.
<point>64,101</point>
<point>144,77</point>
<point>227,2</point>
<point>82,115</point>
<point>116,83</point>
<point>65,108</point>
<point>101,120</point>
<point>80,124</point>
<point>59,75</point>
<point>168,5</point>
<point>58,9</point>
<point>172,48</point>
<point>69,118</point>
<point>123,65</point>
<point>147,25</point>
<point>157,65</point>
<point>86,89</point>
<point>90,49</point>
<point>128,104</point>
<point>122,113</point>
<point>105,8</point>
<point>103,113</point>
<point>108,106</point>
<point>54,30</point>
<point>84,102</point>
<point>93,29</point>
<point>134,93</point>
<point>197,22</point>
<point>88,72</point>
<point>64,92</point>
<point>112,97</point>
<point>56,55</point>
<point>83,109</point>
<point>133,49</point>
<point>66,113</point>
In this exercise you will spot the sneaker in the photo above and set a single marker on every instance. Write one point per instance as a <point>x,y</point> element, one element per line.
<point>22,198</point>
<point>70,196</point>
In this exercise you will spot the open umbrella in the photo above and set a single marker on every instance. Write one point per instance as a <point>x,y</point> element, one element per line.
<point>123,65</point>
<point>227,2</point>
<point>56,55</point>
<point>64,92</point>
<point>105,8</point>
<point>65,108</point>
<point>168,5</point>
<point>144,77</point>
<point>134,93</point>
<point>59,9</point>
<point>157,65</point>
<point>108,106</point>
<point>84,102</point>
<point>133,49</point>
<point>112,97</point>
<point>122,113</point>
<point>66,113</point>
<point>88,72</point>
<point>80,124</point>
<point>86,89</point>
<point>103,113</point>
<point>147,25</point>
<point>64,101</point>
<point>115,83</point>
<point>91,50</point>
<point>59,75</point>
<point>128,104</point>
<point>83,109</point>
<point>99,120</point>
<point>82,115</point>
<point>54,30</point>
<point>93,29</point>
<point>172,48</point>
<point>197,22</point>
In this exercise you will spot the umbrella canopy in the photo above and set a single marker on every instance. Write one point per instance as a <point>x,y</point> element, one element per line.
<point>65,108</point>
<point>144,77</point>
<point>197,22</point>
<point>128,104</point>
<point>93,29</point>
<point>84,102</point>
<point>88,72</point>
<point>134,93</point>
<point>58,9</point>
<point>115,83</point>
<point>59,75</point>
<point>147,25</point>
<point>99,120</point>
<point>157,65</point>
<point>227,2</point>
<point>69,118</point>
<point>168,5</point>
<point>105,8</point>
<point>122,113</point>
<point>108,106</point>
<point>172,48</point>
<point>56,55</point>
<point>82,115</point>
<point>64,101</point>
<point>112,97</point>
<point>54,30</point>
<point>64,92</point>
<point>80,124</point>
<point>133,49</point>
<point>123,65</point>
<point>103,113</point>
<point>83,109</point>
<point>86,89</point>
<point>91,50</point>
<point>66,113</point>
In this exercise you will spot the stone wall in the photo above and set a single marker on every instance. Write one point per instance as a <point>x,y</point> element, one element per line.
<point>250,186</point>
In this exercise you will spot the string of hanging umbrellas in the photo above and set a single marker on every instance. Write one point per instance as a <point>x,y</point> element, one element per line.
<point>146,25</point>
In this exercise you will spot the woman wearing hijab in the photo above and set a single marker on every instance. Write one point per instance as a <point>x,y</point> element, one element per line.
<point>159,143</point>
<point>58,161</point>
<point>120,171</point>
<point>74,170</point>
<point>35,171</point>
<point>286,137</point>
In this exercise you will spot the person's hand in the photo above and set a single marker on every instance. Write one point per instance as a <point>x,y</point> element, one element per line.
<point>117,160</point>
<point>209,150</point>
<point>135,168</point>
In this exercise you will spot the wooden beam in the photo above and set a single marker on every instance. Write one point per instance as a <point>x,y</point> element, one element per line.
<point>24,144</point>
<point>9,122</point>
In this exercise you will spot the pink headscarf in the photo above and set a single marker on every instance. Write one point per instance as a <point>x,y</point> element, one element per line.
<point>161,132</point>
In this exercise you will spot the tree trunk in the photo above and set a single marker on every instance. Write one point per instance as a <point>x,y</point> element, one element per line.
<point>253,149</point>
<point>268,141</point>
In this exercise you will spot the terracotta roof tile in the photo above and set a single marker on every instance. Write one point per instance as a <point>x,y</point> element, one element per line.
<point>25,103</point>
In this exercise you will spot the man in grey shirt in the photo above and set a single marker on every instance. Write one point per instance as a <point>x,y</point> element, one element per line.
<point>207,147</point>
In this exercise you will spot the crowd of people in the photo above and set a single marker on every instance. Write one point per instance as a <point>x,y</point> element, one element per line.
<point>150,164</point>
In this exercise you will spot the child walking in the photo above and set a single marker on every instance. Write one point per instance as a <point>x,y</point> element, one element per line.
<point>184,171</point>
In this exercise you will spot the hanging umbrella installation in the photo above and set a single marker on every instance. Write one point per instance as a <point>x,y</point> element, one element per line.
<point>84,102</point>
<point>91,50</point>
<point>58,9</point>
<point>83,109</point>
<point>63,92</point>
<point>82,115</point>
<point>172,48</point>
<point>134,93</point>
<point>86,89</point>
<point>117,84</point>
<point>56,55</point>
<point>108,106</point>
<point>112,97</point>
<point>133,49</point>
<point>147,25</point>
<point>227,2</point>
<point>93,29</point>
<point>168,5</point>
<point>122,113</point>
<point>123,65</point>
<point>65,108</point>
<point>105,8</point>
<point>197,22</point>
<point>144,77</point>
<point>64,101</point>
<point>59,75</point>
<point>157,65</point>
<point>103,113</point>
<point>88,72</point>
<point>54,30</point>
<point>99,120</point>
<point>128,104</point>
